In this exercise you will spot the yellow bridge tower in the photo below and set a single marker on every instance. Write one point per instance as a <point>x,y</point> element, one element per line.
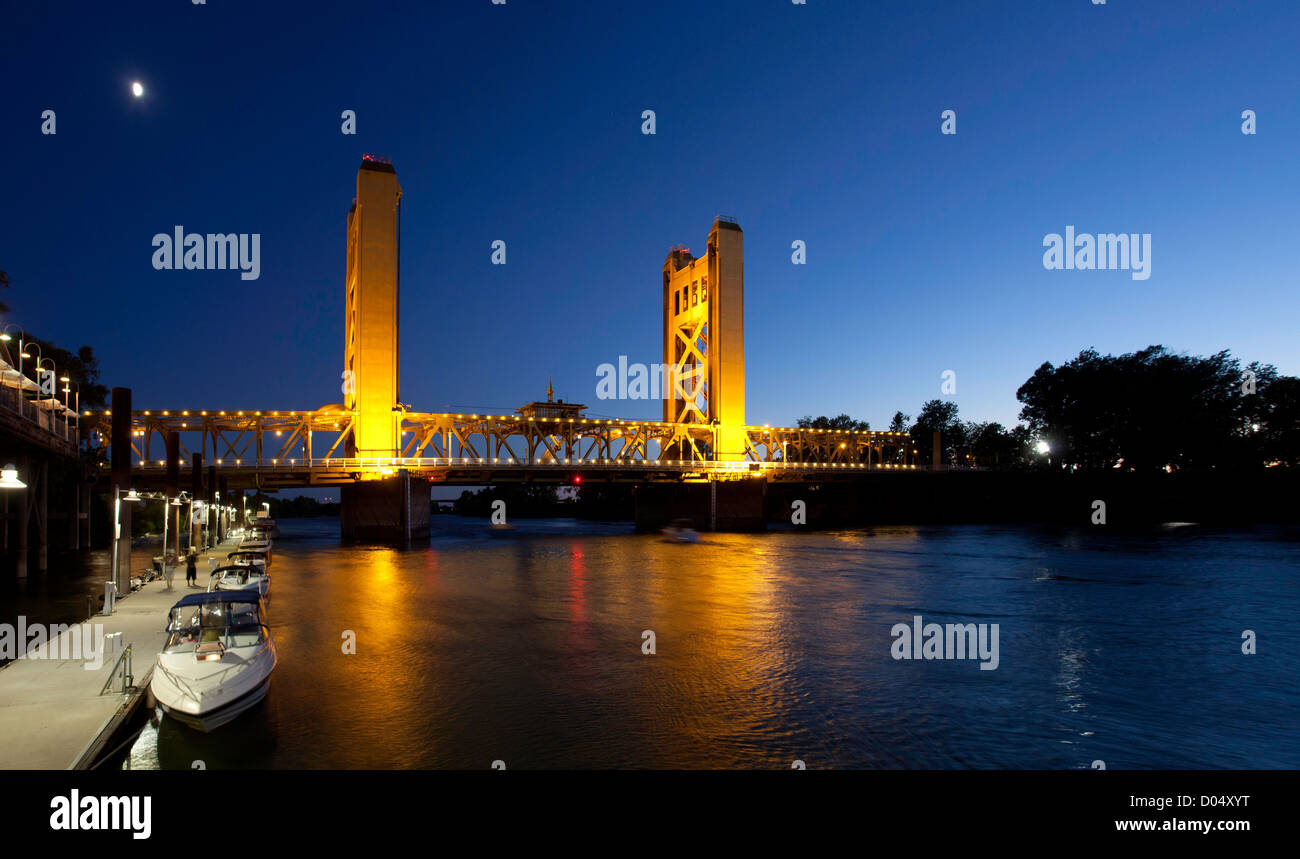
<point>704,337</point>
<point>371,331</point>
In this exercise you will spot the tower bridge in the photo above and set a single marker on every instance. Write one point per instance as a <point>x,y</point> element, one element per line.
<point>377,449</point>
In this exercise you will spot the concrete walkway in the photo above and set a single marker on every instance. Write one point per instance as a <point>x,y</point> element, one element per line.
<point>51,712</point>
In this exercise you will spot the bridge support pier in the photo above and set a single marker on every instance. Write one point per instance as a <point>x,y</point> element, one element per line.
<point>392,510</point>
<point>724,505</point>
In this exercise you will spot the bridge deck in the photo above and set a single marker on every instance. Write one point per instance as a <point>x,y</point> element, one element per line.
<point>273,448</point>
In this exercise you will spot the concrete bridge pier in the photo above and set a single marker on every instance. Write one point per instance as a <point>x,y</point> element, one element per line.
<point>718,505</point>
<point>392,510</point>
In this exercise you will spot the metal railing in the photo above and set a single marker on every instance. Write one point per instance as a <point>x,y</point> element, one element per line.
<point>121,666</point>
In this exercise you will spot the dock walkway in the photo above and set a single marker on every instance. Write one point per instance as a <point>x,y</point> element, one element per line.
<point>51,713</point>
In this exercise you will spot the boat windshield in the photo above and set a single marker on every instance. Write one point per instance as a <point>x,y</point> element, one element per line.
<point>239,575</point>
<point>233,624</point>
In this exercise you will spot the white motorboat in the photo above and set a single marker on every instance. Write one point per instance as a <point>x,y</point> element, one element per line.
<point>241,577</point>
<point>246,557</point>
<point>218,659</point>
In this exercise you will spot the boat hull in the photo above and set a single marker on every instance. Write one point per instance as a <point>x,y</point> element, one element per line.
<point>207,695</point>
<point>214,719</point>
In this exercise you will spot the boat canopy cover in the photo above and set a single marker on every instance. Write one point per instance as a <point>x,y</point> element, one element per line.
<point>218,596</point>
<point>258,552</point>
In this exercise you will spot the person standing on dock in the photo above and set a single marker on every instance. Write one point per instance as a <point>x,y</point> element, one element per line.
<point>191,571</point>
<point>169,571</point>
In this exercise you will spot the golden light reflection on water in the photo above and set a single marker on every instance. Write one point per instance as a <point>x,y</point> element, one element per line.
<point>526,647</point>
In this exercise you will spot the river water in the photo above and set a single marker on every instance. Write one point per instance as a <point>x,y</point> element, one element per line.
<point>526,647</point>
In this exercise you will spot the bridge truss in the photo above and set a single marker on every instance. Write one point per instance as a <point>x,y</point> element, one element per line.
<point>309,448</point>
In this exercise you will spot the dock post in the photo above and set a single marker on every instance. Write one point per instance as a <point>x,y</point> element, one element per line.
<point>121,479</point>
<point>74,518</point>
<point>223,491</point>
<point>24,512</point>
<point>211,499</point>
<point>172,488</point>
<point>43,516</point>
<point>196,495</point>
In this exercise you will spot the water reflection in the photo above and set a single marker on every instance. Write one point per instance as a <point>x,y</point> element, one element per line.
<point>526,647</point>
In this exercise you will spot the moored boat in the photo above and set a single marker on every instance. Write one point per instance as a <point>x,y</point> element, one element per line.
<point>250,557</point>
<point>218,659</point>
<point>241,577</point>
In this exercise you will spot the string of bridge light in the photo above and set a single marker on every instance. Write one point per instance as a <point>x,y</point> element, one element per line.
<point>427,417</point>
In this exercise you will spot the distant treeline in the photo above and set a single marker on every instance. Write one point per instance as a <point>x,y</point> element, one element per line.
<point>532,501</point>
<point>293,508</point>
<point>1149,410</point>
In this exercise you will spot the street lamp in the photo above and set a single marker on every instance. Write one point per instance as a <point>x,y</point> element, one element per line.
<point>6,337</point>
<point>9,478</point>
<point>131,495</point>
<point>67,392</point>
<point>23,353</point>
<point>54,372</point>
<point>196,509</point>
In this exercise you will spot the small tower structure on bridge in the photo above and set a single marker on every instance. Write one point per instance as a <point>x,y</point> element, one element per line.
<point>552,408</point>
<point>704,337</point>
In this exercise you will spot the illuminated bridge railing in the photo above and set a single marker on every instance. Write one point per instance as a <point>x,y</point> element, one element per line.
<point>296,440</point>
<point>433,463</point>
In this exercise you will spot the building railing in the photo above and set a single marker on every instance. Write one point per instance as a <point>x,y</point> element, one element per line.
<point>47,419</point>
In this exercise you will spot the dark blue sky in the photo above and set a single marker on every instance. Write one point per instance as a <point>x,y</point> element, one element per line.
<point>523,122</point>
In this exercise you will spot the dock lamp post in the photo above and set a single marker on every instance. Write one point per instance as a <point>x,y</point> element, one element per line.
<point>168,503</point>
<point>110,587</point>
<point>196,510</point>
<point>9,478</point>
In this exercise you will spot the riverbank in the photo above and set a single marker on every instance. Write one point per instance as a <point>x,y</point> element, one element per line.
<point>1127,500</point>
